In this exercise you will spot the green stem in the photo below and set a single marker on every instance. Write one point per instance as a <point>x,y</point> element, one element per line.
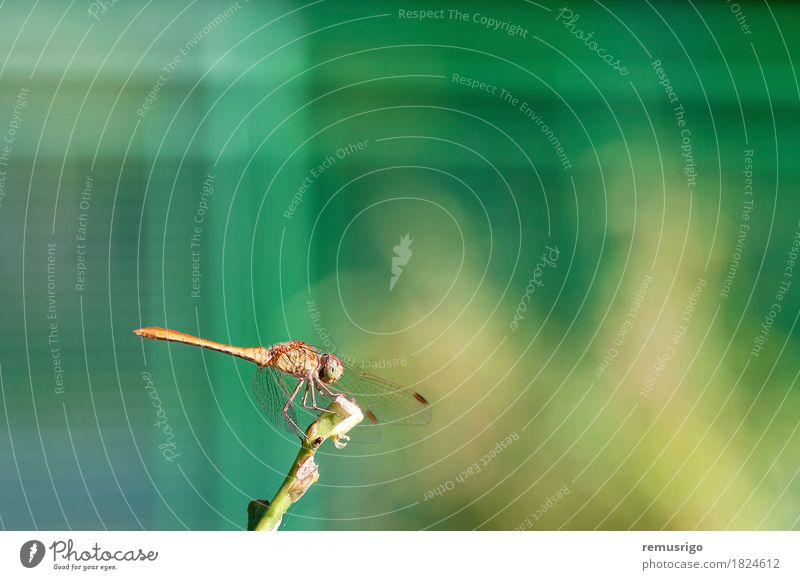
<point>304,472</point>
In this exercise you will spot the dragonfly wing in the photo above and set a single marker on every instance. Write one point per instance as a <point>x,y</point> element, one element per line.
<point>271,390</point>
<point>382,401</point>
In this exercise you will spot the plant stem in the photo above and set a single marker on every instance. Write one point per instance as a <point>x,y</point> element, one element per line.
<point>304,473</point>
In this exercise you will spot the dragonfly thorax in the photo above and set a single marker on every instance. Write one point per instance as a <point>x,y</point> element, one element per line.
<point>295,358</point>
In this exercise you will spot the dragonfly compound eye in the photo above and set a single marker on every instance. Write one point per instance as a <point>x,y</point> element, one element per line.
<point>331,368</point>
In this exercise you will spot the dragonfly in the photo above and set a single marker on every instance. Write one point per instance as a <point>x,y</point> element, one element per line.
<point>318,375</point>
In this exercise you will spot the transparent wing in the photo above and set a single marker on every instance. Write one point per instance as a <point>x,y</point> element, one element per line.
<point>272,389</point>
<point>382,401</point>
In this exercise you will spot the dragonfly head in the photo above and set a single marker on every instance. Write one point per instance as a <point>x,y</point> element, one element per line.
<point>330,369</point>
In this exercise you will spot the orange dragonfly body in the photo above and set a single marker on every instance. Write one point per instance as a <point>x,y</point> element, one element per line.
<point>318,374</point>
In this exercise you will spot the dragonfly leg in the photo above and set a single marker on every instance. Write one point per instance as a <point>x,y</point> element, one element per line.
<point>324,389</point>
<point>286,416</point>
<point>313,404</point>
<point>314,399</point>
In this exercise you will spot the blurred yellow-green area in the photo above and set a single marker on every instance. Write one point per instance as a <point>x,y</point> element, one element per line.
<point>574,228</point>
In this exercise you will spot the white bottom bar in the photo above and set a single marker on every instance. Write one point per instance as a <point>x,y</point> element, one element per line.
<point>355,555</point>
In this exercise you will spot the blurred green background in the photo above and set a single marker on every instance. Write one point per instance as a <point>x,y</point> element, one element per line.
<point>589,301</point>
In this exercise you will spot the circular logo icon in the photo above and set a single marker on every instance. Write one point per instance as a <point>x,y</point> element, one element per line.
<point>31,553</point>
